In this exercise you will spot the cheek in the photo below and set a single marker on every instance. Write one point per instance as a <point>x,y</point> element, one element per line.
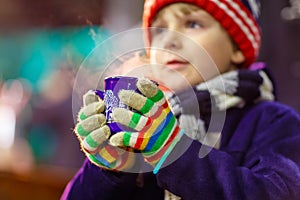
<point>195,77</point>
<point>220,52</point>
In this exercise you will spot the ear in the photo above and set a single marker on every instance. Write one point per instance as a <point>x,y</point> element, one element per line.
<point>237,57</point>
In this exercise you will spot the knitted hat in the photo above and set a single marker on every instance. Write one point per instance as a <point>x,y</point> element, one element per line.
<point>238,17</point>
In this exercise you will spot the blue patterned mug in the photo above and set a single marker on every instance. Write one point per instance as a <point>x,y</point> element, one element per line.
<point>110,97</point>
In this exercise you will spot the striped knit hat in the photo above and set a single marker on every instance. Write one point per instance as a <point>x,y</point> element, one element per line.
<point>238,17</point>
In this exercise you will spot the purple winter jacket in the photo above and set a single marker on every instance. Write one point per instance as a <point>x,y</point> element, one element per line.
<point>259,159</point>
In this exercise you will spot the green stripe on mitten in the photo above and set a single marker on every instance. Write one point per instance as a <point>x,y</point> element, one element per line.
<point>156,127</point>
<point>93,134</point>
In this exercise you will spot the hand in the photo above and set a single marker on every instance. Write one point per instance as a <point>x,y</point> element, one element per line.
<point>157,128</point>
<point>93,134</point>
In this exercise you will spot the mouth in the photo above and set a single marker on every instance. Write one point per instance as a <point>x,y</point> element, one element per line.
<point>177,64</point>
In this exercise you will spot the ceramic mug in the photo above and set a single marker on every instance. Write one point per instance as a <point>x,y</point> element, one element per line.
<point>112,86</point>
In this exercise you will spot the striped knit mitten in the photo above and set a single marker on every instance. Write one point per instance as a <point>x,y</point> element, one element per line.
<point>157,130</point>
<point>93,134</point>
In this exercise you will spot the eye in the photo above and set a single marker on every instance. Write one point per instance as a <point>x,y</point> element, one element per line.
<point>194,25</point>
<point>157,30</point>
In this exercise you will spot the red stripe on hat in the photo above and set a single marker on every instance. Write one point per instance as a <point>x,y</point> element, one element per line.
<point>238,13</point>
<point>234,30</point>
<point>254,30</point>
<point>249,14</point>
<point>240,38</point>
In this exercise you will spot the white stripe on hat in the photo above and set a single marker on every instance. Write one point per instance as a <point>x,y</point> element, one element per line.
<point>249,21</point>
<point>255,7</point>
<point>238,21</point>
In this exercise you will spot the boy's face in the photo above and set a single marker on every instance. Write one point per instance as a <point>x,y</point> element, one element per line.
<point>203,29</point>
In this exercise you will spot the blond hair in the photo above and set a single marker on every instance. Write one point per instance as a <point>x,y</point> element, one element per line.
<point>180,9</point>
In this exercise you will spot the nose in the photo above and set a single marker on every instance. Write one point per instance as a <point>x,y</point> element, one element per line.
<point>172,40</point>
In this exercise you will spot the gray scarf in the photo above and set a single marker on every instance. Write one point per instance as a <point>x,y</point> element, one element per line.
<point>214,97</point>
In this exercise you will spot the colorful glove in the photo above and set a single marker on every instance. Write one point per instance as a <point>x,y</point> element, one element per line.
<point>157,128</point>
<point>93,134</point>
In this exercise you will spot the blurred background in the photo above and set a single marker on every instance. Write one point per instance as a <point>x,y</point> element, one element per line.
<point>42,44</point>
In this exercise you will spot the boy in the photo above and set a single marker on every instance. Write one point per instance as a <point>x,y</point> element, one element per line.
<point>257,156</point>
